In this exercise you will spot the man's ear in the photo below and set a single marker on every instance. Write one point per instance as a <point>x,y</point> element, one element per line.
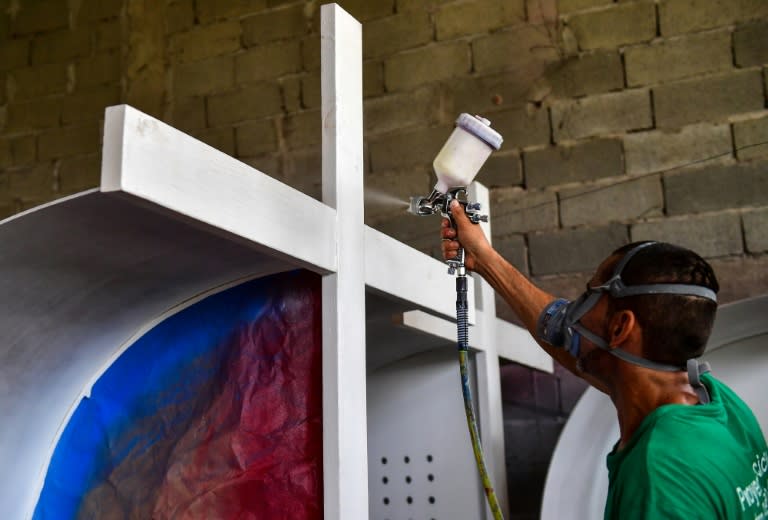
<point>621,327</point>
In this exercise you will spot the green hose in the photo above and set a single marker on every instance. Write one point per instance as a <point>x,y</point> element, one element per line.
<point>463,344</point>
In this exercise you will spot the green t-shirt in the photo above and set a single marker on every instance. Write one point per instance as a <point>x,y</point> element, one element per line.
<point>705,461</point>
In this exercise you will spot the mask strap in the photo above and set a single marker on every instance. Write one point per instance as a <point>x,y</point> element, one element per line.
<point>627,257</point>
<point>622,354</point>
<point>647,363</point>
<point>695,369</point>
<point>585,306</point>
<point>619,290</point>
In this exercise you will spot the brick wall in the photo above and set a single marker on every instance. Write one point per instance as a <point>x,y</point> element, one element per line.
<point>658,130</point>
<point>623,120</point>
<point>59,68</point>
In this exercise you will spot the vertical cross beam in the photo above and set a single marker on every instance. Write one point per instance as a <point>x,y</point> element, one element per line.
<point>345,463</point>
<point>488,374</point>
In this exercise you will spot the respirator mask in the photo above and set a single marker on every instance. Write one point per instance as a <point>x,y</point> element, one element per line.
<point>559,323</point>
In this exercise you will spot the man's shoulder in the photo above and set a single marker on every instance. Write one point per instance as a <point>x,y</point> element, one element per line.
<point>693,443</point>
<point>726,396</point>
<point>736,416</point>
<point>684,437</point>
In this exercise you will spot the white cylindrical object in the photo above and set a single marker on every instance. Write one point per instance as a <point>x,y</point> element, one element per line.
<point>465,152</point>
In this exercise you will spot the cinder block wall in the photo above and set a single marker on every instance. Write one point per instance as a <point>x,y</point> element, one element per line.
<point>623,120</point>
<point>658,126</point>
<point>58,69</point>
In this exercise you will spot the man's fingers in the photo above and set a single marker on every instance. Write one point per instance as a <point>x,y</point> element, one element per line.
<point>451,245</point>
<point>450,249</point>
<point>457,212</point>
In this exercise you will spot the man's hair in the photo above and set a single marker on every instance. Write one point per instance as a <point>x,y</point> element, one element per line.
<point>675,327</point>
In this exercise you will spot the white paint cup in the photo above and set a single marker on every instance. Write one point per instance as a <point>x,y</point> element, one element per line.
<point>465,152</point>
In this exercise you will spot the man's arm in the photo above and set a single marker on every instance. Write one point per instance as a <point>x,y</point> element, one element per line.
<point>526,300</point>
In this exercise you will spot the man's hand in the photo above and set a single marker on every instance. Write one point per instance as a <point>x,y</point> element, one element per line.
<point>525,299</point>
<point>467,235</point>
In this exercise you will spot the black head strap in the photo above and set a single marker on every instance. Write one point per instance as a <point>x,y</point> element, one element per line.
<point>618,289</point>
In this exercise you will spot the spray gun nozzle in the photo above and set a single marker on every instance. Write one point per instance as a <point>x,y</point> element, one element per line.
<point>421,206</point>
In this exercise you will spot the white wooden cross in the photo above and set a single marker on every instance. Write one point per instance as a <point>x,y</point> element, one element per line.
<point>170,172</point>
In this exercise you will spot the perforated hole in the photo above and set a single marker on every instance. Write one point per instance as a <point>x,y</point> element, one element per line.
<point>404,492</point>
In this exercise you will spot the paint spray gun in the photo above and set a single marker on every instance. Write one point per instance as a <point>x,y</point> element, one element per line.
<point>456,166</point>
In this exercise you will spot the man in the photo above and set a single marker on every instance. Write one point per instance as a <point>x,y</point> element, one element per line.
<point>689,447</point>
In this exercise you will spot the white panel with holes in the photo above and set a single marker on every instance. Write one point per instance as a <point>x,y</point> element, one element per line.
<point>420,462</point>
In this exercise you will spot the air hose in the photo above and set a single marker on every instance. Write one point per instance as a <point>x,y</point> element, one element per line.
<point>462,327</point>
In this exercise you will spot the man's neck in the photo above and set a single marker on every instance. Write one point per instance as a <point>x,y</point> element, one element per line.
<point>642,391</point>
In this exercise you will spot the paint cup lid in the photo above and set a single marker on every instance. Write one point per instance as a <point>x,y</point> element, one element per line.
<point>480,128</point>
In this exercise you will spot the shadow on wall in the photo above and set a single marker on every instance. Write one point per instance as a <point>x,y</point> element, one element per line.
<point>536,406</point>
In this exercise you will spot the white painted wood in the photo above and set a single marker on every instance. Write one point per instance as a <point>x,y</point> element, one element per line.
<point>488,372</point>
<point>433,325</point>
<point>516,344</point>
<point>149,159</point>
<point>397,269</point>
<point>112,147</point>
<point>345,442</point>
